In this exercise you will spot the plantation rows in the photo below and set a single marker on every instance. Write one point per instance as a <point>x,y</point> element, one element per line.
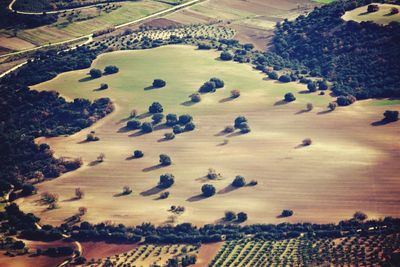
<point>145,255</point>
<point>130,41</point>
<point>303,251</point>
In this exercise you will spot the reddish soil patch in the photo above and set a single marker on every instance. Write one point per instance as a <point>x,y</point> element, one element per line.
<point>98,250</point>
<point>206,253</point>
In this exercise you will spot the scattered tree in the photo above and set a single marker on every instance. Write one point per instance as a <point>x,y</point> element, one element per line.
<point>195,97</point>
<point>360,216</point>
<point>225,55</point>
<point>95,73</point>
<point>166,180</point>
<point>172,119</point>
<point>134,124</point>
<point>126,190</point>
<point>165,160</point>
<point>391,115</point>
<point>239,181</point>
<point>332,106</point>
<point>133,113</point>
<point>169,136</point>
<point>157,118</point>
<point>158,83</point>
<point>273,75</point>
<point>111,69</point>
<point>212,174</point>
<point>241,217</point>
<point>307,142</point>
<point>184,119</point>
<point>147,127</point>
<point>372,8</point>
<point>91,137</point>
<point>82,211</point>
<point>235,93</point>
<point>79,194</point>
<point>138,154</point>
<point>103,86</point>
<point>345,100</point>
<point>239,121</point>
<point>312,87</point>
<point>394,11</point>
<point>207,87</point>
<point>190,127</point>
<point>218,82</point>
<point>178,129</point>
<point>286,213</point>
<point>156,108</point>
<point>285,78</point>
<point>253,183</point>
<point>289,97</point>
<point>230,216</point>
<point>208,190</point>
<point>101,157</point>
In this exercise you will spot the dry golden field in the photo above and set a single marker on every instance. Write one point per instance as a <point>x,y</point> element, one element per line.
<point>350,166</point>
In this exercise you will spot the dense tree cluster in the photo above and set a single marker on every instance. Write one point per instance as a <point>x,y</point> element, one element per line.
<point>360,58</point>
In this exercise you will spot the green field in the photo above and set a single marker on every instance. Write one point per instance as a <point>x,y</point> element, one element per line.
<point>323,1</point>
<point>382,16</point>
<point>57,32</point>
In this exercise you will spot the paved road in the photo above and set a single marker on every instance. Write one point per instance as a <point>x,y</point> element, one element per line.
<point>90,36</point>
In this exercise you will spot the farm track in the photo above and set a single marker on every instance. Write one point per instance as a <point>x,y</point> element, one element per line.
<point>90,36</point>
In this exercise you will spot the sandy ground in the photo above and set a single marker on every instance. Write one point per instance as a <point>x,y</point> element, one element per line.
<point>350,166</point>
<point>14,43</point>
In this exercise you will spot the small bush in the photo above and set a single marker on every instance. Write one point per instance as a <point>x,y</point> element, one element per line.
<point>332,106</point>
<point>103,86</point>
<point>169,136</point>
<point>307,142</point>
<point>309,107</point>
<point>218,82</point>
<point>253,183</point>
<point>164,195</point>
<point>235,93</point>
<point>138,154</point>
<point>312,87</point>
<point>126,190</point>
<point>185,119</point>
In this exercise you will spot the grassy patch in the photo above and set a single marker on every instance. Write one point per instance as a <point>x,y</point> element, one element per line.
<point>382,16</point>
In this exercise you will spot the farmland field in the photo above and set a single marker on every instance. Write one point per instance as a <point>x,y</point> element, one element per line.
<point>96,20</point>
<point>382,16</point>
<point>350,166</point>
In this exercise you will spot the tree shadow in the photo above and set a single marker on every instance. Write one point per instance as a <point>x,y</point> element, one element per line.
<point>164,140</point>
<point>70,199</point>
<point>223,143</point>
<point>143,115</point>
<point>299,146</point>
<point>152,191</point>
<point>83,142</point>
<point>389,15</point>
<point>123,129</point>
<point>151,87</point>
<point>381,122</point>
<point>188,103</point>
<point>364,13</point>
<point>160,127</point>
<point>301,111</point>
<point>125,119</point>
<point>99,89</point>
<point>304,92</point>
<point>120,194</point>
<point>152,168</point>
<point>234,134</point>
<point>280,102</point>
<point>86,79</point>
<point>130,158</point>
<point>196,198</point>
<point>226,99</point>
<point>138,133</point>
<point>221,133</point>
<point>94,163</point>
<point>324,112</point>
<point>227,189</point>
